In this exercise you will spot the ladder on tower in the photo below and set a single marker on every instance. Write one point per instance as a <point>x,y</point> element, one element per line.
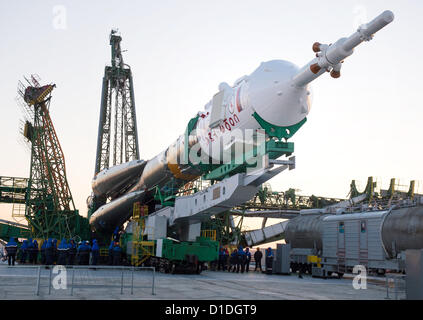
<point>141,249</point>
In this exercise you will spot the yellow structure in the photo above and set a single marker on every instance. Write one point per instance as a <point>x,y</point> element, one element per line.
<point>315,260</point>
<point>210,234</point>
<point>141,250</point>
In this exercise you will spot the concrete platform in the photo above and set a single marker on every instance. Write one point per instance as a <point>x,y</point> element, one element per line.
<point>21,283</point>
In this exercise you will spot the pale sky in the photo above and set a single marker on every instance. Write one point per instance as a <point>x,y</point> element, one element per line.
<point>367,123</point>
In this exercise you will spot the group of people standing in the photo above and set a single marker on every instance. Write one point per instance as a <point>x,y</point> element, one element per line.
<point>240,259</point>
<point>63,254</point>
<point>67,251</point>
<point>28,251</point>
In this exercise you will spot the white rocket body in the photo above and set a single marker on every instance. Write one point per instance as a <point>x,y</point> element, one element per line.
<point>268,91</point>
<point>277,91</point>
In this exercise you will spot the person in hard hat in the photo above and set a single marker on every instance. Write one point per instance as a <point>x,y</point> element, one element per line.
<point>11,250</point>
<point>117,254</point>
<point>247,259</point>
<point>71,252</point>
<point>84,253</point>
<point>62,252</point>
<point>87,244</point>
<point>258,255</point>
<point>95,253</point>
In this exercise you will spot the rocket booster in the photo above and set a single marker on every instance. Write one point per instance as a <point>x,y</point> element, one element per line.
<point>110,182</point>
<point>277,91</point>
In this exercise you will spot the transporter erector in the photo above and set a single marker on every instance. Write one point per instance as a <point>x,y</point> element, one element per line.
<point>235,142</point>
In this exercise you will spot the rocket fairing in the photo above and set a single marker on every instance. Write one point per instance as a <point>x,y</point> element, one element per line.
<point>277,91</point>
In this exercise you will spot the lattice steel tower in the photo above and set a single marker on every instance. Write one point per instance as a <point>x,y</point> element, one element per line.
<point>117,113</point>
<point>50,210</point>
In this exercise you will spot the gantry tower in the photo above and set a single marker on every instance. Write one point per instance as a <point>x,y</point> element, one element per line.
<point>49,207</point>
<point>117,128</point>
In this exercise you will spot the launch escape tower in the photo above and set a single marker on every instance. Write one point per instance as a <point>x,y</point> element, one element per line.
<point>50,210</point>
<point>119,131</point>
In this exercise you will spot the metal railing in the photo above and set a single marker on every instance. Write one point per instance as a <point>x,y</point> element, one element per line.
<point>113,268</point>
<point>395,283</point>
<point>80,275</point>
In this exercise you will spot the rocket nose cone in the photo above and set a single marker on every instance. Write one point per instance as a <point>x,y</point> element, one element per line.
<point>274,98</point>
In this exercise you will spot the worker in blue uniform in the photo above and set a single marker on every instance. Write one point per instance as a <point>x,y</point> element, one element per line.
<point>225,259</point>
<point>247,259</point>
<point>87,244</point>
<point>269,260</point>
<point>54,248</point>
<point>220,264</point>
<point>62,252</point>
<point>241,260</point>
<point>24,251</point>
<point>117,254</point>
<point>34,252</point>
<point>49,252</point>
<point>84,253</point>
<point>11,250</point>
<point>95,253</point>
<point>110,257</point>
<point>233,261</point>
<point>30,250</point>
<point>116,235</point>
<point>71,252</point>
<point>43,252</point>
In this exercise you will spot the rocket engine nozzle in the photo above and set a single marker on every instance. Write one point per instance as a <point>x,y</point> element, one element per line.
<point>316,47</point>
<point>336,71</point>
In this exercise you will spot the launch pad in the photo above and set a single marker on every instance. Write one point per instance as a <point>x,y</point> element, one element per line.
<point>20,284</point>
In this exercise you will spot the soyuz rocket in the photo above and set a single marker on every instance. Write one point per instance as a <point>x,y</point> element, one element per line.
<point>278,91</point>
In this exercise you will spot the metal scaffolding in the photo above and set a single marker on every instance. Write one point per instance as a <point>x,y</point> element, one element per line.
<point>50,209</point>
<point>117,99</point>
<point>117,140</point>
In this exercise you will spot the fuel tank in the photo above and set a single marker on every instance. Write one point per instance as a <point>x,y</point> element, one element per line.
<point>403,229</point>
